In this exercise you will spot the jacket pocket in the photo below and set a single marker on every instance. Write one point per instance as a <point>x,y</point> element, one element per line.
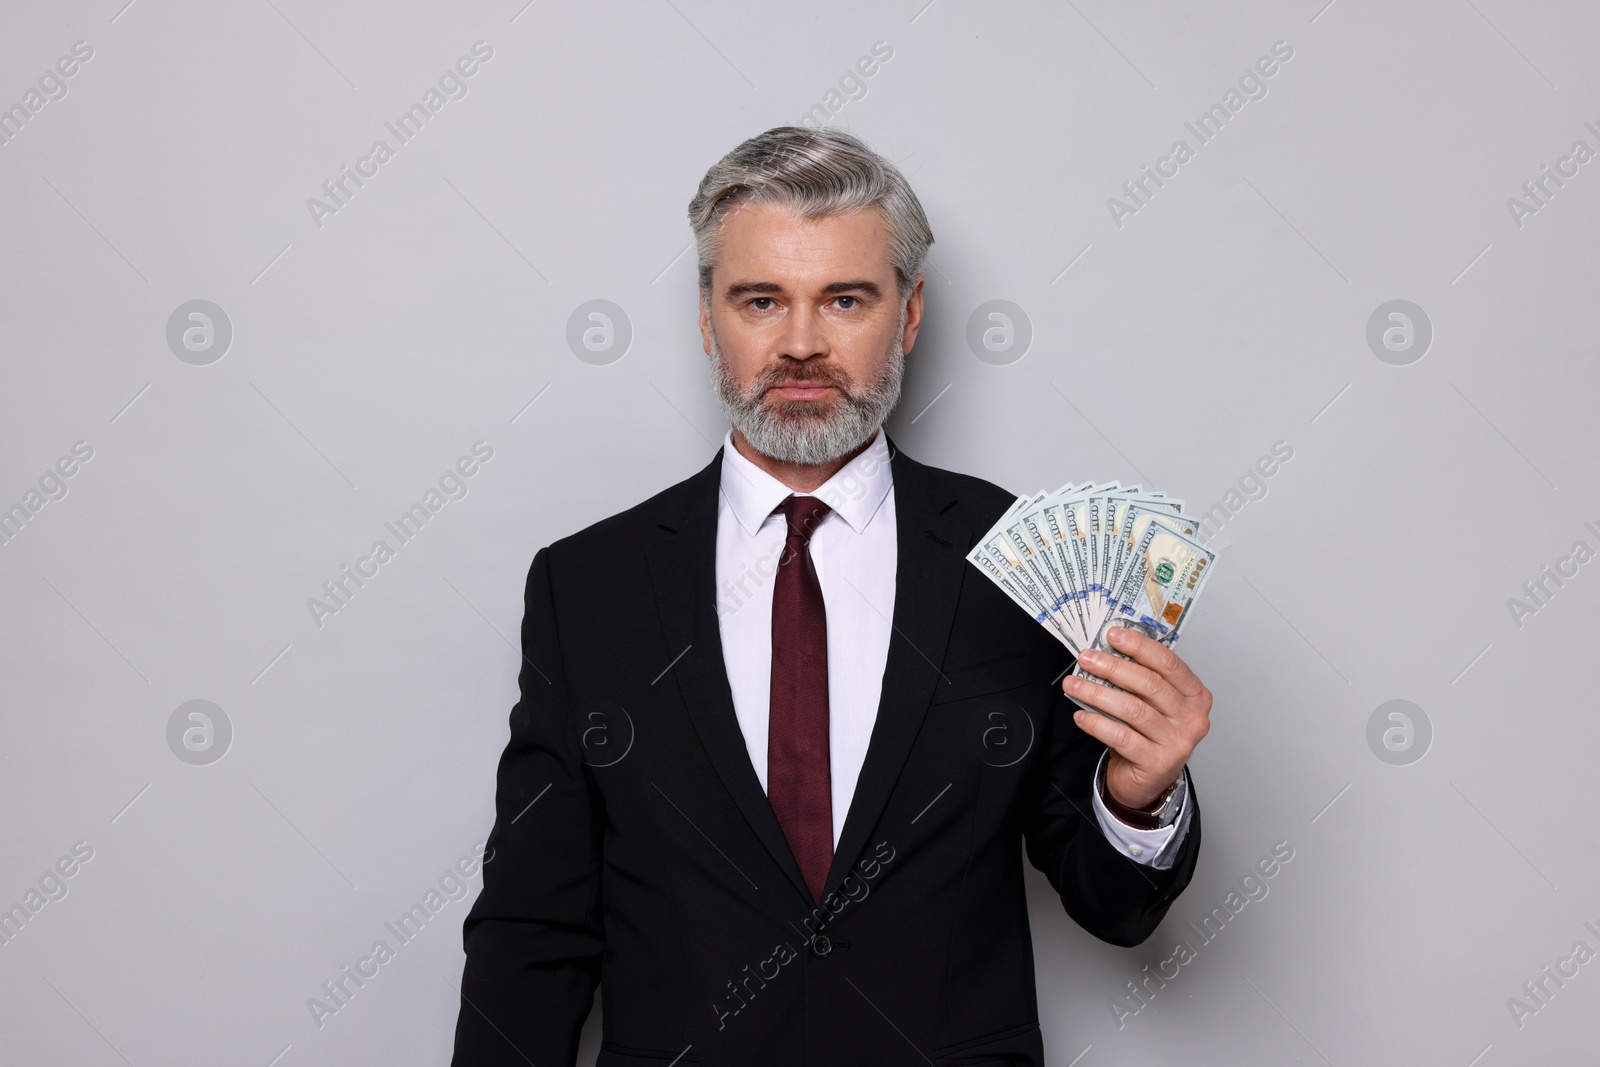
<point>615,1055</point>
<point>1021,1044</point>
<point>997,676</point>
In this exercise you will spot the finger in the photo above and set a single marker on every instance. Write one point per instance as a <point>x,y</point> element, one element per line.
<point>1135,678</point>
<point>1124,740</point>
<point>1156,656</point>
<point>1134,712</point>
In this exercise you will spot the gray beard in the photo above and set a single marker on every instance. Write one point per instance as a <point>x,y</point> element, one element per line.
<point>797,431</point>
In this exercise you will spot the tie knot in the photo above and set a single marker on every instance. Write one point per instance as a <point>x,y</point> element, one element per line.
<point>802,513</point>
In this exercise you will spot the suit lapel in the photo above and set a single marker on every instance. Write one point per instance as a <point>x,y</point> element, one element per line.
<point>928,572</point>
<point>683,573</point>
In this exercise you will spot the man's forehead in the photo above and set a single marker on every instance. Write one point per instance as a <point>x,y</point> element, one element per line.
<point>761,242</point>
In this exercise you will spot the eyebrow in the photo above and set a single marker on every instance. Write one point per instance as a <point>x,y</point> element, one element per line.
<point>864,286</point>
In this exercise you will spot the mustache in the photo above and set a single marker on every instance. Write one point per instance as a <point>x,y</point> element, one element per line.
<point>809,373</point>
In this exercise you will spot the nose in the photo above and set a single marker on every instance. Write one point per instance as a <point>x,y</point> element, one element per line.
<point>803,335</point>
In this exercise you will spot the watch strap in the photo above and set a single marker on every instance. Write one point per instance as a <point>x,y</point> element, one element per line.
<point>1148,818</point>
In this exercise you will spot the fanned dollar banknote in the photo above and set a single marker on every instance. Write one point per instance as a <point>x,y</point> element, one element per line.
<point>1090,557</point>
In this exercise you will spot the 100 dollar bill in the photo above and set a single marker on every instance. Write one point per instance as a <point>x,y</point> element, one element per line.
<point>1160,580</point>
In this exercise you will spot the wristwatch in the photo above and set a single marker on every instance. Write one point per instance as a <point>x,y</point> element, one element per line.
<point>1149,818</point>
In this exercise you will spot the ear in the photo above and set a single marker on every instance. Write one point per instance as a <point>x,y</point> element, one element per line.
<point>705,322</point>
<point>914,307</point>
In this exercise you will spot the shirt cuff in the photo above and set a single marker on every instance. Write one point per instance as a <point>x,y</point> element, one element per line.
<point>1156,848</point>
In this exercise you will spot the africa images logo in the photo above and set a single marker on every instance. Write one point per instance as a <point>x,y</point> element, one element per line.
<point>1252,85</point>
<point>453,84</point>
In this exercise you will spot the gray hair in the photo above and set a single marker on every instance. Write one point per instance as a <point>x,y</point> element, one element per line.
<point>819,172</point>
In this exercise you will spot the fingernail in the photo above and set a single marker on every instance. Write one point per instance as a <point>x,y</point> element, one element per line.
<point>1072,683</point>
<point>1089,655</point>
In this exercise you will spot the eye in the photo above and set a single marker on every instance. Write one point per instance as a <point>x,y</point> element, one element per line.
<point>852,302</point>
<point>762,303</point>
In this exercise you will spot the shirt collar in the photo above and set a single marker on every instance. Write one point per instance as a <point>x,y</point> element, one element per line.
<point>856,490</point>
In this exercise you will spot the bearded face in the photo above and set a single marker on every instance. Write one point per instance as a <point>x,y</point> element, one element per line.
<point>809,429</point>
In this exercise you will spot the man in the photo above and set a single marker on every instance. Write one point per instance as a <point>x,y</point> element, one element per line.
<point>777,741</point>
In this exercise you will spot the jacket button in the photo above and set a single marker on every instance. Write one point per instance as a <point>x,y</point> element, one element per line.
<point>821,946</point>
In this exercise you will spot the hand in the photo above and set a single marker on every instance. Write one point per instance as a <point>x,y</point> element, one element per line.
<point>1165,711</point>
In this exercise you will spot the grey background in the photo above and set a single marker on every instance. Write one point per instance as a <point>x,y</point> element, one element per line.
<point>1229,313</point>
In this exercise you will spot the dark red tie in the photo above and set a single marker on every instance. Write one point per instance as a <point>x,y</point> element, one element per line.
<point>799,784</point>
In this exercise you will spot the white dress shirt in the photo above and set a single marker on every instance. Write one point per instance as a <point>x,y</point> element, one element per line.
<point>855,554</point>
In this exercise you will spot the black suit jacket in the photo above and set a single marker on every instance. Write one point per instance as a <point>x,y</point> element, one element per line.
<point>633,845</point>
